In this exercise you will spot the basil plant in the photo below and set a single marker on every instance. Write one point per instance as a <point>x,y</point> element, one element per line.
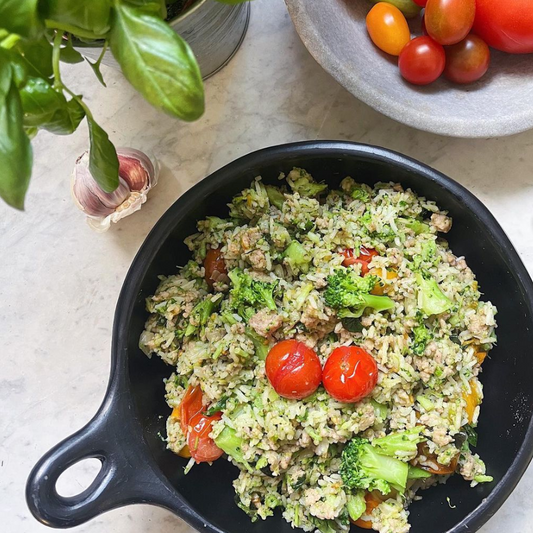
<point>36,36</point>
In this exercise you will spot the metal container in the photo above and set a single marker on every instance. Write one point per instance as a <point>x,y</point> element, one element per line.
<point>213,30</point>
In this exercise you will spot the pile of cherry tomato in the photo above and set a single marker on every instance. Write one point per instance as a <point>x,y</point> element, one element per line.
<point>456,36</point>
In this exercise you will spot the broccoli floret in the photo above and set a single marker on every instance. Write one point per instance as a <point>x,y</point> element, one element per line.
<point>356,505</point>
<point>364,468</point>
<point>431,300</point>
<point>421,336</point>
<point>260,344</point>
<point>200,314</point>
<point>349,292</point>
<point>248,292</point>
<point>228,441</point>
<point>302,183</point>
<point>401,444</point>
<point>275,196</point>
<point>360,194</point>
<point>298,256</point>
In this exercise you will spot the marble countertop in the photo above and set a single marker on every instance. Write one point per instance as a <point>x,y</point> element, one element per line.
<point>58,276</point>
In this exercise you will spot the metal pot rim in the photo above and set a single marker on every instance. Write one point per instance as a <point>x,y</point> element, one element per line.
<point>186,13</point>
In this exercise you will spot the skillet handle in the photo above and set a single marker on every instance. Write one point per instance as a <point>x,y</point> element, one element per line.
<point>122,479</point>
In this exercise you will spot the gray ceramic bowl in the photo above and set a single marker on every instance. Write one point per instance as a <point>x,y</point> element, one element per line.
<point>335,34</point>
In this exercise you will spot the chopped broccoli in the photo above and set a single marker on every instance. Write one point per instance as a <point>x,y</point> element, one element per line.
<point>416,226</point>
<point>483,479</point>
<point>247,291</point>
<point>227,317</point>
<point>302,295</point>
<point>381,411</point>
<point>297,256</point>
<point>425,403</point>
<point>260,344</point>
<point>356,505</point>
<point>217,406</point>
<point>349,292</point>
<point>471,435</point>
<point>421,336</point>
<point>363,467</point>
<point>228,441</point>
<point>417,473</point>
<point>431,300</point>
<point>275,196</point>
<point>201,312</point>
<point>401,444</point>
<point>302,183</point>
<point>360,194</point>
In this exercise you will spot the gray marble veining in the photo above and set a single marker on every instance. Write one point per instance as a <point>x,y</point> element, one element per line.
<point>59,281</point>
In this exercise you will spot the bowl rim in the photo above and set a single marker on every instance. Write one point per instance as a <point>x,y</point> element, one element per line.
<point>305,27</point>
<point>128,456</point>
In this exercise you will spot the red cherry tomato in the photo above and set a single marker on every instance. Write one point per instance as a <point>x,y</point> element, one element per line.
<point>214,265</point>
<point>468,60</point>
<point>506,24</point>
<point>422,61</point>
<point>364,258</point>
<point>190,405</point>
<point>421,3</point>
<point>201,446</point>
<point>449,21</point>
<point>350,374</point>
<point>388,28</point>
<point>293,369</point>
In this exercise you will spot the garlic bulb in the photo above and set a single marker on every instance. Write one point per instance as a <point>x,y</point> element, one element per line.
<point>137,175</point>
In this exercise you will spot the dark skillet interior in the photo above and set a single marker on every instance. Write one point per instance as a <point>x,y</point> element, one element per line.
<point>507,375</point>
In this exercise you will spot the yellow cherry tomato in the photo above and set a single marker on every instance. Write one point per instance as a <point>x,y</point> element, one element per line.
<point>388,28</point>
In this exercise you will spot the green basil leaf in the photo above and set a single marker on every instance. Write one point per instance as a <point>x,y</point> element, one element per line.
<point>103,160</point>
<point>68,54</point>
<point>21,17</point>
<point>46,108</point>
<point>156,7</point>
<point>86,18</point>
<point>35,57</point>
<point>15,148</point>
<point>157,62</point>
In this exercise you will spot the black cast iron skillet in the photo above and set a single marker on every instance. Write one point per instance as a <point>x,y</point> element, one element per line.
<point>124,434</point>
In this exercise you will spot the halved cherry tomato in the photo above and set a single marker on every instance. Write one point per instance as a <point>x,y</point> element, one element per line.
<point>364,258</point>
<point>214,265</point>
<point>201,446</point>
<point>176,415</point>
<point>449,21</point>
<point>293,369</point>
<point>350,374</point>
<point>468,60</point>
<point>422,61</point>
<point>388,28</point>
<point>372,501</point>
<point>190,405</point>
<point>472,400</point>
<point>430,463</point>
<point>379,288</point>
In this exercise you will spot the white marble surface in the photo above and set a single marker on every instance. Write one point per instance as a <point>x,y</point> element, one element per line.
<point>59,281</point>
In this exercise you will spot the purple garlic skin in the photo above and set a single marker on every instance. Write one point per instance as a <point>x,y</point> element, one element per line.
<point>137,175</point>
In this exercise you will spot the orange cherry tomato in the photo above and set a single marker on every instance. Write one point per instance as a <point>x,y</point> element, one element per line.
<point>189,406</point>
<point>364,258</point>
<point>214,265</point>
<point>201,446</point>
<point>388,28</point>
<point>372,502</point>
<point>350,374</point>
<point>293,369</point>
<point>468,60</point>
<point>449,21</point>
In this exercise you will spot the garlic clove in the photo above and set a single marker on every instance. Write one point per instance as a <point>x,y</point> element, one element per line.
<point>135,168</point>
<point>94,201</point>
<point>137,175</point>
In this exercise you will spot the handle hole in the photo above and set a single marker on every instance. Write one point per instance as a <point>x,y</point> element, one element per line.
<point>78,477</point>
